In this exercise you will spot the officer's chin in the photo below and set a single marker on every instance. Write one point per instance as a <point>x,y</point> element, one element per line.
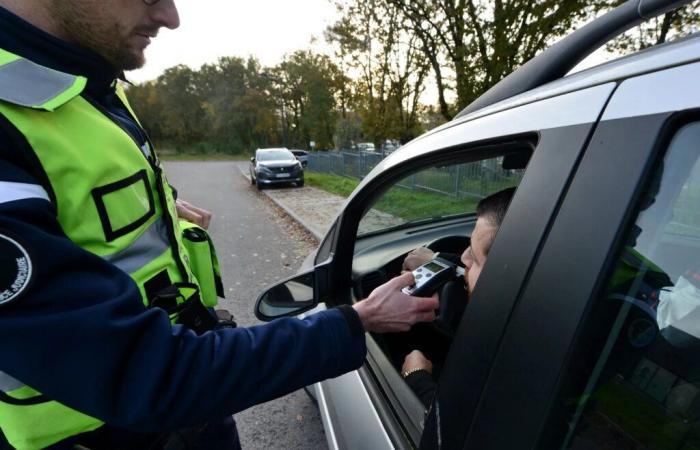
<point>130,58</point>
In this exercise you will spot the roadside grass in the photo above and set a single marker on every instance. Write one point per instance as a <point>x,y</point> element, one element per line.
<point>398,201</point>
<point>334,184</point>
<point>411,205</point>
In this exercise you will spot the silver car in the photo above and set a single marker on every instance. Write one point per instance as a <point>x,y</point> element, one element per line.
<point>275,166</point>
<point>583,331</point>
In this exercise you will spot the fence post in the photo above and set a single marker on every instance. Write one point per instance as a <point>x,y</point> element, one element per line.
<point>457,179</point>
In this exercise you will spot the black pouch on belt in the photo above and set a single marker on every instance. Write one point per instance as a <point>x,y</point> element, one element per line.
<point>181,301</point>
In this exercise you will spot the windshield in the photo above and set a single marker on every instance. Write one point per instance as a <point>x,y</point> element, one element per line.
<point>274,155</point>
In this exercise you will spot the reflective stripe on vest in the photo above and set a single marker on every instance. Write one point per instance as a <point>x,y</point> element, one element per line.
<point>150,245</point>
<point>10,192</point>
<point>25,83</point>
<point>7,383</point>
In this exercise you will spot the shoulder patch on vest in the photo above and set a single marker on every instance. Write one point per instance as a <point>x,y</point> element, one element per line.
<point>15,269</point>
<point>25,83</point>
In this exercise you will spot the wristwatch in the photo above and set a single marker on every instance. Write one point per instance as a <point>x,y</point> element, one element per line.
<point>406,373</point>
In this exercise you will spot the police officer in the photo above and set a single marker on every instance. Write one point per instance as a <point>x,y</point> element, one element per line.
<point>106,340</point>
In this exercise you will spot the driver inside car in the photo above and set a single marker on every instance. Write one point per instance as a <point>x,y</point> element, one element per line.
<point>417,369</point>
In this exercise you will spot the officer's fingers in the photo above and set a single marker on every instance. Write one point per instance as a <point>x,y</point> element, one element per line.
<point>423,311</point>
<point>422,304</point>
<point>400,327</point>
<point>426,316</point>
<point>403,280</point>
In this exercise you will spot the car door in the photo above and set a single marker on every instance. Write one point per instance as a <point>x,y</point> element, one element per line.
<point>592,356</point>
<point>372,407</point>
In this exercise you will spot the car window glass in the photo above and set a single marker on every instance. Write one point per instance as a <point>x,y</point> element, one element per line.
<point>438,192</point>
<point>634,377</point>
<point>274,155</point>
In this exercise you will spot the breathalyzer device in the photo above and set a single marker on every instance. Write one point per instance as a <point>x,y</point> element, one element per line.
<point>431,276</point>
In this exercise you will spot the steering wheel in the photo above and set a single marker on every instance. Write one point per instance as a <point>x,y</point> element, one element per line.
<point>450,244</point>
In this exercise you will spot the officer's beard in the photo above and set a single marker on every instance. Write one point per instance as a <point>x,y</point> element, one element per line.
<point>102,35</point>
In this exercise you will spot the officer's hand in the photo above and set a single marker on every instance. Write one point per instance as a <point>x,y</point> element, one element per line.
<point>191,213</point>
<point>416,360</point>
<point>417,258</point>
<point>387,309</point>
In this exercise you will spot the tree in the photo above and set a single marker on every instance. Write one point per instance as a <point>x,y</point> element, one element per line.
<point>390,70</point>
<point>242,112</point>
<point>658,30</point>
<point>181,116</point>
<point>479,42</point>
<point>224,107</point>
<point>306,85</point>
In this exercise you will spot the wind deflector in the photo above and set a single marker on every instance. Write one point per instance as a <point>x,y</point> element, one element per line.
<point>559,59</point>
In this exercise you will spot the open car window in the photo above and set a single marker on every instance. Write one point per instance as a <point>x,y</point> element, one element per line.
<point>434,206</point>
<point>437,193</point>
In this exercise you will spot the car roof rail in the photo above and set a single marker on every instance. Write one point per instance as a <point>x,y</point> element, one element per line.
<point>556,61</point>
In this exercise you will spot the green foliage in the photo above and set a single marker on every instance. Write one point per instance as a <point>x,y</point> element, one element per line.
<point>416,204</point>
<point>387,54</point>
<point>305,85</point>
<point>658,30</point>
<point>479,42</point>
<point>399,201</point>
<point>334,184</point>
<point>223,107</point>
<point>372,41</point>
<point>236,106</point>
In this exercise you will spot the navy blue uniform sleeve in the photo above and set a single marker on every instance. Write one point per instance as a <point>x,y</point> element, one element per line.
<point>79,333</point>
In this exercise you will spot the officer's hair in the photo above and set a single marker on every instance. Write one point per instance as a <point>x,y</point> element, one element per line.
<point>493,208</point>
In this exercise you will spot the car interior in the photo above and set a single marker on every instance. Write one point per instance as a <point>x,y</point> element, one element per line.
<point>441,217</point>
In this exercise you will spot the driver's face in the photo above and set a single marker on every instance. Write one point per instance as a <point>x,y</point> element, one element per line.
<point>475,255</point>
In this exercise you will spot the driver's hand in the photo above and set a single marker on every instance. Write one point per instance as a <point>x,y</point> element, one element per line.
<point>417,258</point>
<point>416,360</point>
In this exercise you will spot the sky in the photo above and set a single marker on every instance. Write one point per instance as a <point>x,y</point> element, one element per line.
<point>209,29</point>
<point>266,29</point>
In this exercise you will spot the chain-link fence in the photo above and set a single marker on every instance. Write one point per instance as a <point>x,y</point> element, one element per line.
<point>477,179</point>
<point>346,163</point>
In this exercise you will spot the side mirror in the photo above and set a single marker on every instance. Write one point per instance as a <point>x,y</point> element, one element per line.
<point>288,298</point>
<point>252,159</point>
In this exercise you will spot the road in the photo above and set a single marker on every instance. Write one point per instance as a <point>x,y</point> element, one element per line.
<point>257,245</point>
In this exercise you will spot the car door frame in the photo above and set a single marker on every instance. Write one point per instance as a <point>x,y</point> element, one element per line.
<point>581,247</point>
<point>563,125</point>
